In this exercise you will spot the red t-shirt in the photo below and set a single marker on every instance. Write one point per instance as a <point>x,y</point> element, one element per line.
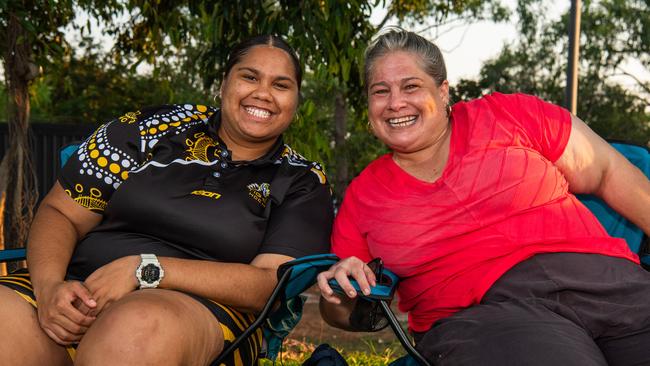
<point>499,201</point>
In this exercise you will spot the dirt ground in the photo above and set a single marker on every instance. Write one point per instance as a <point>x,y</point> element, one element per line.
<point>313,329</point>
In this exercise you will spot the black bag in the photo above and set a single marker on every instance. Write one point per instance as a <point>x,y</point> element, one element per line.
<point>324,355</point>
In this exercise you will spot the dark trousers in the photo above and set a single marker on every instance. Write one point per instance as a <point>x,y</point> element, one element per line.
<point>559,309</point>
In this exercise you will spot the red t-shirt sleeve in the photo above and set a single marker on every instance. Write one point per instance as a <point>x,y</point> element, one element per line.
<point>347,239</point>
<point>546,125</point>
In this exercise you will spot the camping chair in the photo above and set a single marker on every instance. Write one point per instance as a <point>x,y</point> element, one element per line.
<point>295,277</point>
<point>379,301</point>
<point>283,309</point>
<point>615,224</point>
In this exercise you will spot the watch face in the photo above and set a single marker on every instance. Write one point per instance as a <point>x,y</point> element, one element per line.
<point>150,273</point>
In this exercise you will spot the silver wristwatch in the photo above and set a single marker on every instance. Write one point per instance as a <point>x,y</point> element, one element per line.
<point>149,273</point>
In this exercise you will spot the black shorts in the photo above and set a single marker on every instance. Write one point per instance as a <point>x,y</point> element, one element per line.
<point>232,322</point>
<point>551,309</point>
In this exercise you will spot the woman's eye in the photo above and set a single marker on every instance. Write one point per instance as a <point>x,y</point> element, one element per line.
<point>411,87</point>
<point>249,77</point>
<point>380,91</point>
<point>282,86</point>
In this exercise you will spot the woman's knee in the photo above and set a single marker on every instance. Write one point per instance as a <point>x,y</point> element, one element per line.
<point>24,342</point>
<point>154,326</point>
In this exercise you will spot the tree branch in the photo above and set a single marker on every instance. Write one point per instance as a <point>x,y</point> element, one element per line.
<point>643,85</point>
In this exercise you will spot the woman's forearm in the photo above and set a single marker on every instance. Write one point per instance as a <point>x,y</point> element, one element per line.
<point>245,287</point>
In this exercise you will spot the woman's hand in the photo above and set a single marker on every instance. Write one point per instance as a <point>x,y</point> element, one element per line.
<point>60,319</point>
<point>112,281</point>
<point>341,271</point>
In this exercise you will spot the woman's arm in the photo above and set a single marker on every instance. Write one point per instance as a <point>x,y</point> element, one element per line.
<point>57,226</point>
<point>245,287</point>
<point>593,166</point>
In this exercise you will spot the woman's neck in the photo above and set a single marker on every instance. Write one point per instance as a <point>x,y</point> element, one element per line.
<point>427,164</point>
<point>246,151</point>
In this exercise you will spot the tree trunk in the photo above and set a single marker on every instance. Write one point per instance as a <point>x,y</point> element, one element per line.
<point>340,131</point>
<point>19,178</point>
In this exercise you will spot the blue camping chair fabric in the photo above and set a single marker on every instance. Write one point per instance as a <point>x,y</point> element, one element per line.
<point>11,255</point>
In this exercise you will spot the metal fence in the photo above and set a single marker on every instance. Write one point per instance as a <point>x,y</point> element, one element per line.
<point>45,142</point>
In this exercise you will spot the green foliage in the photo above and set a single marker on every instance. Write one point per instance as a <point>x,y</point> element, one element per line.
<point>418,13</point>
<point>296,352</point>
<point>93,89</point>
<point>44,22</point>
<point>612,31</point>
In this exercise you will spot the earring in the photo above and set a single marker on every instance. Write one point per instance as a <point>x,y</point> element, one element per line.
<point>448,110</point>
<point>368,127</point>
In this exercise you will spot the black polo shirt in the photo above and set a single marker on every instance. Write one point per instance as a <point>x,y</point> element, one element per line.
<point>166,184</point>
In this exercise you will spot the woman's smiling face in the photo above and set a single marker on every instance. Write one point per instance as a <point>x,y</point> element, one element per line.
<point>407,110</point>
<point>259,97</point>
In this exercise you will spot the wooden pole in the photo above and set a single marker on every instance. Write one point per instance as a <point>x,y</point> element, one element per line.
<point>571,99</point>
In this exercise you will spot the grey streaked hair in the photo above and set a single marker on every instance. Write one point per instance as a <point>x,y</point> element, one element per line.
<point>395,39</point>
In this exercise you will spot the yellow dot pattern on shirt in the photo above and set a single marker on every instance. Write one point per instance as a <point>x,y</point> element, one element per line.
<point>201,113</point>
<point>106,158</point>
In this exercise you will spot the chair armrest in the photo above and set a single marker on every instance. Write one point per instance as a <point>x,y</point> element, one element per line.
<point>8,255</point>
<point>384,290</point>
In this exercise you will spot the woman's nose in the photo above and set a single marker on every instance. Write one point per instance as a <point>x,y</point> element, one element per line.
<point>263,92</point>
<point>396,101</point>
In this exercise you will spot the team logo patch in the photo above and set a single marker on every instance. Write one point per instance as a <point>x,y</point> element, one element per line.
<point>130,117</point>
<point>200,192</point>
<point>260,192</point>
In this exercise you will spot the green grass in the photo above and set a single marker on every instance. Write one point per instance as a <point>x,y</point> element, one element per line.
<point>296,352</point>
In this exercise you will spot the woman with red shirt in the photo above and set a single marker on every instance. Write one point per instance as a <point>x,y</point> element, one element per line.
<point>474,209</point>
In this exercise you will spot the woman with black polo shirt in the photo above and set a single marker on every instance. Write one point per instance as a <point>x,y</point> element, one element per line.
<point>196,205</point>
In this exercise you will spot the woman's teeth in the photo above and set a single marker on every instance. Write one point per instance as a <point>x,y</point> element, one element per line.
<point>259,113</point>
<point>402,121</point>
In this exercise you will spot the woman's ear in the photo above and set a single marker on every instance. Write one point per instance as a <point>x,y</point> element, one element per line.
<point>444,92</point>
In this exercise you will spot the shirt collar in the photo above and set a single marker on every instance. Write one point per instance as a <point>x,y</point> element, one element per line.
<point>270,157</point>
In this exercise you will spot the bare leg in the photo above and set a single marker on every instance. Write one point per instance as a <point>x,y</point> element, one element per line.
<point>23,341</point>
<point>152,327</point>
